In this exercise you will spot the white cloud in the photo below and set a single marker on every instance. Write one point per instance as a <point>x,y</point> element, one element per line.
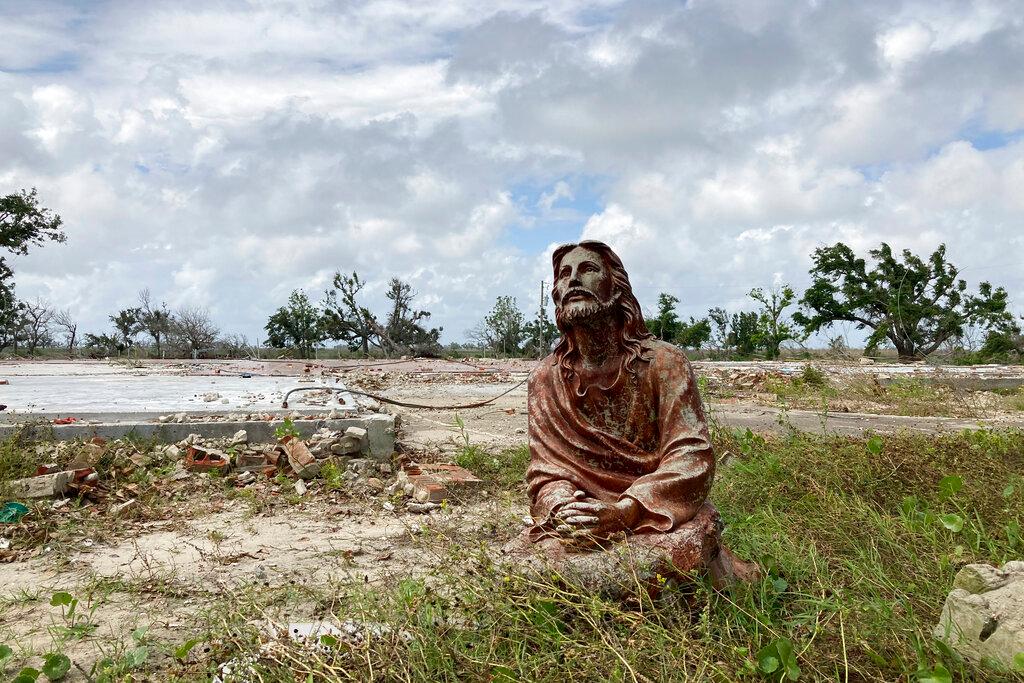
<point>226,154</point>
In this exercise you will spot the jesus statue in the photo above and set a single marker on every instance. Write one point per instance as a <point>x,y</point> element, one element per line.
<point>619,445</point>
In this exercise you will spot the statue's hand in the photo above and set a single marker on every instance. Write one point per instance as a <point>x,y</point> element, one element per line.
<point>599,518</point>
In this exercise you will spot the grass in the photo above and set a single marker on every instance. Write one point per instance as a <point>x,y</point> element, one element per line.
<point>857,567</point>
<point>849,531</point>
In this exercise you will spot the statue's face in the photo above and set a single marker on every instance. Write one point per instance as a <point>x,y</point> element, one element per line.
<point>583,283</point>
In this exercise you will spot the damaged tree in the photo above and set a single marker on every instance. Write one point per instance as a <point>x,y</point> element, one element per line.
<point>403,332</point>
<point>345,320</point>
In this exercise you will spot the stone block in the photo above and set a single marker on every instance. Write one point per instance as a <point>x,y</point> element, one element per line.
<point>43,486</point>
<point>983,617</point>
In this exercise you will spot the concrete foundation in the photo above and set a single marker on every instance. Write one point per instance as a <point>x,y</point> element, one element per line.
<point>380,430</point>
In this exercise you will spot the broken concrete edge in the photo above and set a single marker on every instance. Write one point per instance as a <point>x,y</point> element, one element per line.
<point>380,431</point>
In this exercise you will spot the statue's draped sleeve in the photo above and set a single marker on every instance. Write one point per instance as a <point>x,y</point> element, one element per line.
<point>567,452</point>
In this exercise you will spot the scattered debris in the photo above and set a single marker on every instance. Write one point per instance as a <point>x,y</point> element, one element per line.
<point>432,483</point>
<point>206,460</point>
<point>121,507</point>
<point>11,513</point>
<point>300,459</point>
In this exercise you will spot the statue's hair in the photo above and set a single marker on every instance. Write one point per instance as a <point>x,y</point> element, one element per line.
<point>630,325</point>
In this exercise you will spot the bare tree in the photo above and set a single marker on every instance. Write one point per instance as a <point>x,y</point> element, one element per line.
<point>155,320</point>
<point>64,320</point>
<point>193,331</point>
<point>37,324</point>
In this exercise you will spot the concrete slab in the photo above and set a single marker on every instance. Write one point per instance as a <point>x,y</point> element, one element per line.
<point>380,430</point>
<point>62,395</point>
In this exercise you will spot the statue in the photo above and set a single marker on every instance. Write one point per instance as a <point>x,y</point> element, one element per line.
<point>619,449</point>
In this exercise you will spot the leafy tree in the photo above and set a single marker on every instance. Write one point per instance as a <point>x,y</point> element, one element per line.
<point>694,334</point>
<point>666,325</point>
<point>345,320</point>
<point>503,330</point>
<point>743,330</point>
<point>155,320</point>
<point>23,223</point>
<point>128,325</point>
<point>103,345</point>
<point>298,325</point>
<point>11,313</point>
<point>404,332</point>
<point>772,327</point>
<point>736,332</point>
<point>914,304</point>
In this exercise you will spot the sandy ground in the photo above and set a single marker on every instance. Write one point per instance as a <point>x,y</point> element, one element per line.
<point>161,575</point>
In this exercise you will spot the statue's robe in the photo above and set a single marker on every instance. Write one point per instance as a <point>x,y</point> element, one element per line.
<point>644,438</point>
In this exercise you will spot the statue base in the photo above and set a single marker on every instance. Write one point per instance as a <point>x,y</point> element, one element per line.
<point>618,565</point>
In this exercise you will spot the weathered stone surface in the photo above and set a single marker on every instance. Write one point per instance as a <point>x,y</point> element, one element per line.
<point>43,486</point>
<point>983,617</point>
<point>620,456</point>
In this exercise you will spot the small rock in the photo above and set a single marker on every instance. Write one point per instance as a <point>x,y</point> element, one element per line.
<point>246,478</point>
<point>300,487</point>
<point>211,397</point>
<point>388,506</point>
<point>240,437</point>
<point>422,508</point>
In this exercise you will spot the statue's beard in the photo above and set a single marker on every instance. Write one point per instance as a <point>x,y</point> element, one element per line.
<point>587,313</point>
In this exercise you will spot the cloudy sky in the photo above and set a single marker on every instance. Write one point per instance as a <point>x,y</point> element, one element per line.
<point>223,153</point>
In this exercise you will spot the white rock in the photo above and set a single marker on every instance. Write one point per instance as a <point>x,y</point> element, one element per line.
<point>983,616</point>
<point>300,487</point>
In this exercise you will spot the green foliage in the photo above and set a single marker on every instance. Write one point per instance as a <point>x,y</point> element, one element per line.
<point>404,332</point>
<point>914,304</point>
<point>298,325</point>
<point>666,325</point>
<point>56,665</point>
<point>772,326</point>
<point>345,319</point>
<point>285,429</point>
<point>128,323</point>
<point>503,330</point>
<point>777,658</point>
<point>23,223</point>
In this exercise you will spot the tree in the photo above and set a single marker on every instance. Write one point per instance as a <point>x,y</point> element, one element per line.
<point>64,320</point>
<point>192,331</point>
<point>743,330</point>
<point>915,304</point>
<point>693,334</point>
<point>127,324</point>
<point>772,327</point>
<point>403,332</point>
<point>344,319</point>
<point>298,325</point>
<point>503,329</point>
<point>103,345</point>
<point>666,326</point>
<point>22,223</point>
<point>37,317</point>
<point>719,320</point>
<point>154,320</point>
<point>11,314</point>
<point>541,332</point>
